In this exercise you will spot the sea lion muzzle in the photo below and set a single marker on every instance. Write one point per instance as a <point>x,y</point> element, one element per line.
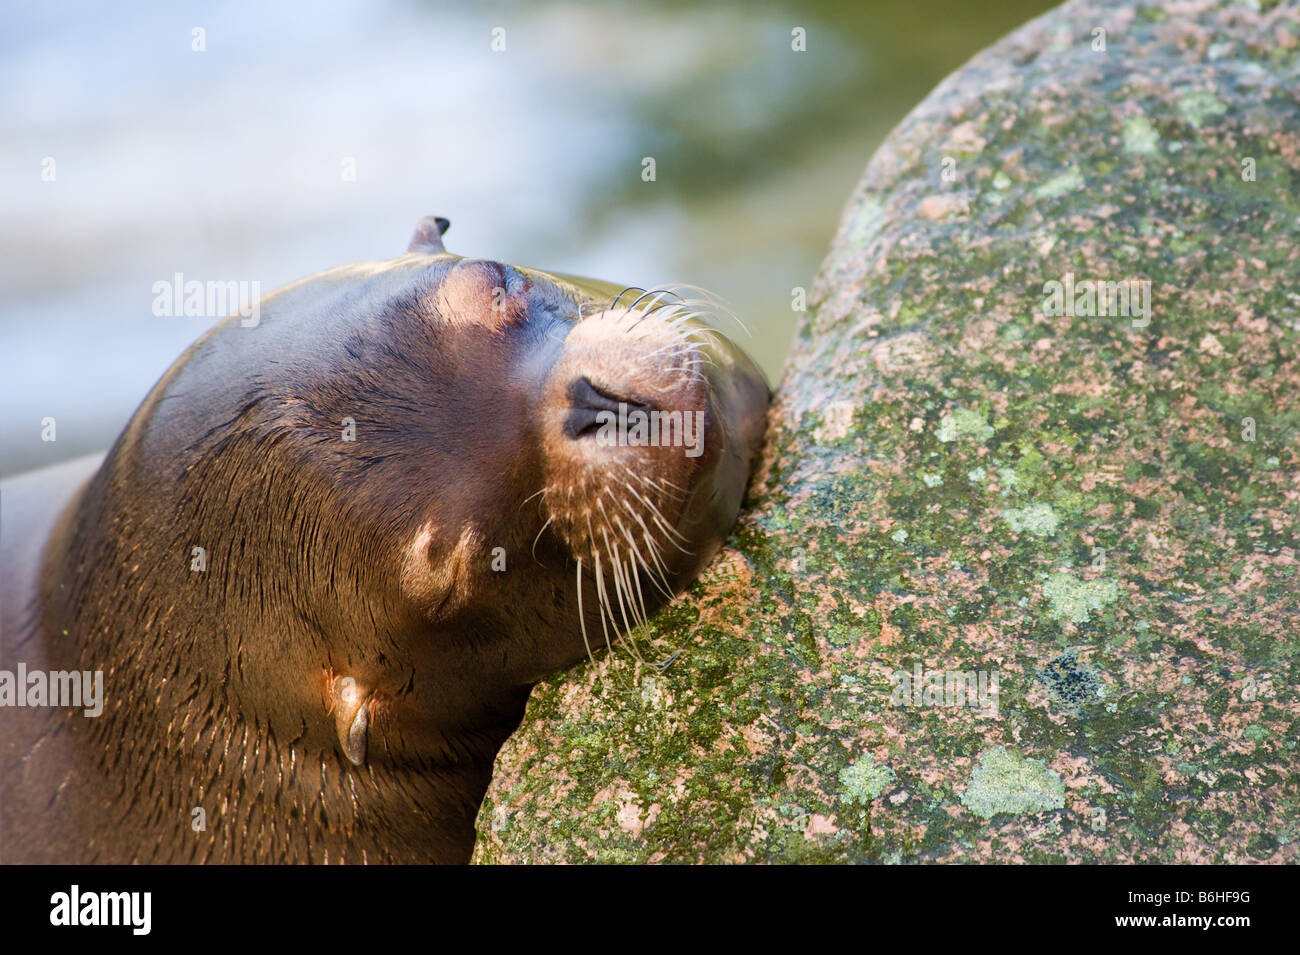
<point>657,461</point>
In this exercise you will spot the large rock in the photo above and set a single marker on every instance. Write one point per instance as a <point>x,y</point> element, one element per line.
<point>1097,510</point>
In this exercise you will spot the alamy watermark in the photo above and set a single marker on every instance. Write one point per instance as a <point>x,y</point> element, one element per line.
<point>639,428</point>
<point>976,689</point>
<point>177,298</point>
<point>1085,298</point>
<point>75,907</point>
<point>75,688</point>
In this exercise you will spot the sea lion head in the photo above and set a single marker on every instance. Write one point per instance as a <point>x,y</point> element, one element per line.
<point>628,445</point>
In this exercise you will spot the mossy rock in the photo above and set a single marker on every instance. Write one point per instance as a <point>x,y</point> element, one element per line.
<point>1097,510</point>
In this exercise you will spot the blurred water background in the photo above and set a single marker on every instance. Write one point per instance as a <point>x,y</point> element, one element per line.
<point>228,163</point>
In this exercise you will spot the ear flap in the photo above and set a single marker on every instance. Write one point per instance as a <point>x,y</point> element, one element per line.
<point>428,235</point>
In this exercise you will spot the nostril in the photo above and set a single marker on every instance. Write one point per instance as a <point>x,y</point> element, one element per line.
<point>589,406</point>
<point>583,394</point>
<point>582,422</point>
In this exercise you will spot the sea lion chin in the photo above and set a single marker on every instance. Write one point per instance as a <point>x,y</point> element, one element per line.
<point>330,554</point>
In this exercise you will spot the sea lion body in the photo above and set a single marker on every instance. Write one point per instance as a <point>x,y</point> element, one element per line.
<point>330,554</point>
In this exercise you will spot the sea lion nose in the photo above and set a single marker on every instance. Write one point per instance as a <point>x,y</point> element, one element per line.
<point>591,407</point>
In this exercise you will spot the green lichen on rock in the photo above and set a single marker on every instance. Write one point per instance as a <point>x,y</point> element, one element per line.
<point>1038,520</point>
<point>1201,107</point>
<point>863,780</point>
<point>1059,185</point>
<point>1140,136</point>
<point>963,423</point>
<point>1005,782</point>
<point>1096,508</point>
<point>1073,599</point>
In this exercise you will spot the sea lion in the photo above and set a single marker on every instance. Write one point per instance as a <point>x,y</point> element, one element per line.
<point>330,554</point>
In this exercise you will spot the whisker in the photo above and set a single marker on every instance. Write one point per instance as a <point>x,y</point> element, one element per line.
<point>659,518</point>
<point>656,483</point>
<point>539,536</point>
<point>619,297</point>
<point>620,585</point>
<point>531,496</point>
<point>635,553</point>
<point>654,553</point>
<point>603,597</point>
<point>582,617</point>
<point>615,566</point>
